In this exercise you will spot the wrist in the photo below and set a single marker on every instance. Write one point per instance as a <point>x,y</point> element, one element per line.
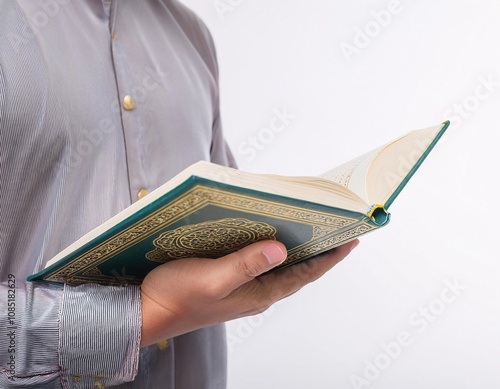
<point>157,323</point>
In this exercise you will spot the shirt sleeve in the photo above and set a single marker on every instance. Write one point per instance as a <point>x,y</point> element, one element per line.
<point>63,337</point>
<point>220,152</point>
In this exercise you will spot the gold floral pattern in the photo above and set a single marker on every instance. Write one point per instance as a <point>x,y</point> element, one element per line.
<point>210,239</point>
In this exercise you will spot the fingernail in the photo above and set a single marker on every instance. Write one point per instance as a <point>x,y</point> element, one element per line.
<point>274,254</point>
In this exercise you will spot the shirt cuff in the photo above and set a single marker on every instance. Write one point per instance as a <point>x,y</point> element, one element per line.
<point>29,335</point>
<point>99,339</point>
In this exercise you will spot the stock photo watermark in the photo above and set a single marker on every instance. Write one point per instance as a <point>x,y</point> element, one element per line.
<point>39,20</point>
<point>94,137</point>
<point>484,90</point>
<point>406,162</point>
<point>280,121</point>
<point>372,29</point>
<point>222,7</point>
<point>419,321</point>
<point>11,327</point>
<point>246,327</point>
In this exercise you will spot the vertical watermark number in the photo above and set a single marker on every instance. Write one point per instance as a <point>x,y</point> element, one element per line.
<point>11,326</point>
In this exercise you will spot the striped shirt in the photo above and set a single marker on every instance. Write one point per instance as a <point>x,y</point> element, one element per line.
<point>100,100</point>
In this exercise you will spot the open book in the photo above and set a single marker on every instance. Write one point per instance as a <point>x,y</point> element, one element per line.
<point>209,210</point>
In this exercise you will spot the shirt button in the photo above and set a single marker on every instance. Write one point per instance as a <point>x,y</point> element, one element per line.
<point>142,193</point>
<point>114,35</point>
<point>162,345</point>
<point>99,385</point>
<point>128,103</point>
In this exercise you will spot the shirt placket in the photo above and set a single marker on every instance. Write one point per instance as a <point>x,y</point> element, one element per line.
<point>129,107</point>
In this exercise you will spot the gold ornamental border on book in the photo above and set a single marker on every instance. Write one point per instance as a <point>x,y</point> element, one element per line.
<point>191,201</point>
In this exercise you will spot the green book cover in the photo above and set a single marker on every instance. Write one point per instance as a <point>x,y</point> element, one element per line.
<point>199,216</point>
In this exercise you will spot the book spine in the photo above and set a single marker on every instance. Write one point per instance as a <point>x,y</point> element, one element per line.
<point>378,215</point>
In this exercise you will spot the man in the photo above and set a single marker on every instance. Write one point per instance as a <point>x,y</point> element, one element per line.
<point>102,101</point>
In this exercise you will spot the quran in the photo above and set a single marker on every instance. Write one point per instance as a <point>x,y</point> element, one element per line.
<point>209,211</point>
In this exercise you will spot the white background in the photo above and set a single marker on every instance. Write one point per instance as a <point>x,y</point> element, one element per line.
<point>431,61</point>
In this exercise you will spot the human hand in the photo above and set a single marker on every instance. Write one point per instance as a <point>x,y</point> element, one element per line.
<point>187,294</point>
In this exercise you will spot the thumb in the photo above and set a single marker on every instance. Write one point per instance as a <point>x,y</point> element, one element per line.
<point>251,261</point>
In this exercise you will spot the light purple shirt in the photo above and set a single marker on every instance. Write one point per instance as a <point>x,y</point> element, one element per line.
<point>72,156</point>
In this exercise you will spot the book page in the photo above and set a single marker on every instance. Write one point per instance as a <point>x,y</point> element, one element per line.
<point>352,174</point>
<point>396,163</point>
<point>379,175</point>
